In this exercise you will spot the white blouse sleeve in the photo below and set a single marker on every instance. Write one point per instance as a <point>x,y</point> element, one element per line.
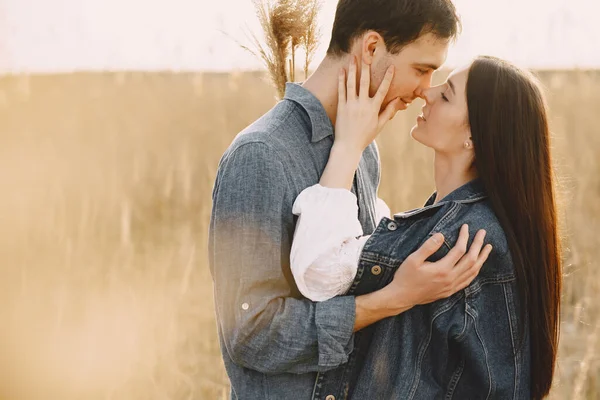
<point>382,210</point>
<point>328,241</point>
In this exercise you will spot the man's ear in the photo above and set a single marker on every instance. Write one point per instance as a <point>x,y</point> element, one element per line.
<point>372,46</point>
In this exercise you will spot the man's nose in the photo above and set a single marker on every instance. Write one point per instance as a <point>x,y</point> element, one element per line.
<point>424,86</point>
<point>424,93</point>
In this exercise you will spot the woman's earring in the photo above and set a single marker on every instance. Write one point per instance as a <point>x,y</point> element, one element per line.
<point>467,145</point>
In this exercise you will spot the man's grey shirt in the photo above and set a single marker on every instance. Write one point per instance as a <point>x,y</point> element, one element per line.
<point>274,341</point>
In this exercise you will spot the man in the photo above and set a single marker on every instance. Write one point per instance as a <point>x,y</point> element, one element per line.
<point>275,343</point>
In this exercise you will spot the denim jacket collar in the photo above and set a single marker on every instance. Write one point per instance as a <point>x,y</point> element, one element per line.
<point>470,192</point>
<point>321,124</point>
<point>467,193</point>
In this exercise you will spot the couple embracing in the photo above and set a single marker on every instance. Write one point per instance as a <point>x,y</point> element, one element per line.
<point>322,294</point>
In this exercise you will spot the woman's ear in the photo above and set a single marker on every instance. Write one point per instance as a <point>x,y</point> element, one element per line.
<point>468,144</point>
<point>468,136</point>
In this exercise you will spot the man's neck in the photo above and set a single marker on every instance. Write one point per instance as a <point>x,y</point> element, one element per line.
<point>451,173</point>
<point>323,84</point>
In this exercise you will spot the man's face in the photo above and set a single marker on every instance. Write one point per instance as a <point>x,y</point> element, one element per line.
<point>414,67</point>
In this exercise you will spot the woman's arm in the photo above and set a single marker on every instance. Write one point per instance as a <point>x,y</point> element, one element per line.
<point>329,238</point>
<point>358,121</point>
<point>327,242</point>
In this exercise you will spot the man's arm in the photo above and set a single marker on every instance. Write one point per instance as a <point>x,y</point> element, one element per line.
<point>263,328</point>
<point>418,281</point>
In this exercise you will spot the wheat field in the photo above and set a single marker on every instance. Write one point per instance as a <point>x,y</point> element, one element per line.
<point>106,180</point>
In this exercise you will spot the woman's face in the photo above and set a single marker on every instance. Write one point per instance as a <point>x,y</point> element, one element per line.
<point>444,123</point>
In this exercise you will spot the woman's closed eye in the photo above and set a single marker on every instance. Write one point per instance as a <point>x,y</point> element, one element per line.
<point>421,72</point>
<point>444,97</point>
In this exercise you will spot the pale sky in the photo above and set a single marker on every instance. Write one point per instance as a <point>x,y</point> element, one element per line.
<point>69,35</point>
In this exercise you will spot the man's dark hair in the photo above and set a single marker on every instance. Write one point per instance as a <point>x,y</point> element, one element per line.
<point>399,22</point>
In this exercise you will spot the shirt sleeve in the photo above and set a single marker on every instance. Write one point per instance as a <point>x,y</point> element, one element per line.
<point>262,325</point>
<point>328,241</point>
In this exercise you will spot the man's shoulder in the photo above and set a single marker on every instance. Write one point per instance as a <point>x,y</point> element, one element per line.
<point>270,132</point>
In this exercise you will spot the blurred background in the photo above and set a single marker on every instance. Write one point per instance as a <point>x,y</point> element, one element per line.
<point>113,117</point>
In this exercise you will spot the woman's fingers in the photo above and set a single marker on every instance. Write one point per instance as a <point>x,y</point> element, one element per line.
<point>365,81</point>
<point>384,87</point>
<point>341,88</point>
<point>388,113</point>
<point>351,81</point>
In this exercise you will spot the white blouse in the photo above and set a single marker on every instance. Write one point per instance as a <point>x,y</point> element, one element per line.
<point>328,241</point>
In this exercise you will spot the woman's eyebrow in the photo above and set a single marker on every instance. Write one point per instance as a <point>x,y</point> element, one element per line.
<point>451,86</point>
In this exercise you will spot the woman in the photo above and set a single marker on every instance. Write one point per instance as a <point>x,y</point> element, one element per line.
<point>498,338</point>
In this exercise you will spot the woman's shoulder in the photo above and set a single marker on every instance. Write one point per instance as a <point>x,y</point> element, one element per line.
<point>479,214</point>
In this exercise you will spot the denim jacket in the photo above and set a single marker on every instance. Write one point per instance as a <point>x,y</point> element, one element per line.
<point>462,347</point>
<point>274,341</point>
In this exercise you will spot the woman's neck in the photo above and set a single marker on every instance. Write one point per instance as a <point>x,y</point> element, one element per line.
<point>451,173</point>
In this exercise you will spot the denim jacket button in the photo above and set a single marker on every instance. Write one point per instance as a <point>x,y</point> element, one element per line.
<point>392,226</point>
<point>330,397</point>
<point>376,270</point>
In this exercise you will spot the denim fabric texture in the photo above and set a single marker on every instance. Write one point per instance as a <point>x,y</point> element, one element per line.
<point>462,347</point>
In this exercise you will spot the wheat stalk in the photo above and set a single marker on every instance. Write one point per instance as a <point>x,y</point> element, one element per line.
<point>313,35</point>
<point>287,25</point>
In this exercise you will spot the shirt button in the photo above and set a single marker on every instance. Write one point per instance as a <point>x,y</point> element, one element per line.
<point>245,306</point>
<point>392,226</point>
<point>376,270</point>
<point>330,397</point>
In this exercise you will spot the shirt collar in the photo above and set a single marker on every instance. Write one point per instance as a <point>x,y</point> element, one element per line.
<point>321,124</point>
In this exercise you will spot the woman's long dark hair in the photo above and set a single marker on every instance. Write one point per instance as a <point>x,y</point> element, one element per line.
<point>509,128</point>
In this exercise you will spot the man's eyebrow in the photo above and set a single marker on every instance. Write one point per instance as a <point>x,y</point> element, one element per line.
<point>451,86</point>
<point>429,66</point>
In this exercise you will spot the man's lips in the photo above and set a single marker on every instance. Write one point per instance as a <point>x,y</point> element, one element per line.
<point>403,104</point>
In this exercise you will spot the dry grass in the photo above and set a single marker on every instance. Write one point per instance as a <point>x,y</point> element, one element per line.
<point>287,25</point>
<point>105,291</point>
